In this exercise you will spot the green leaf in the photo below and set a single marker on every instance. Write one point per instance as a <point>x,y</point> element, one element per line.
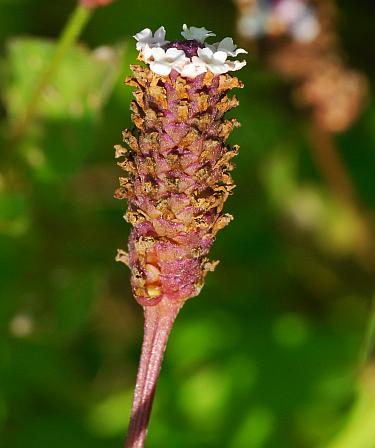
<point>56,144</point>
<point>81,84</point>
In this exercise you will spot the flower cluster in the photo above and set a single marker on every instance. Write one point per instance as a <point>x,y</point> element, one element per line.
<point>191,57</point>
<point>295,18</point>
<point>177,162</point>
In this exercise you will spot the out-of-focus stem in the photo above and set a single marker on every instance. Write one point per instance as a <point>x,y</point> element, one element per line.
<point>369,338</point>
<point>359,431</point>
<point>69,35</point>
<point>158,323</point>
<point>327,157</point>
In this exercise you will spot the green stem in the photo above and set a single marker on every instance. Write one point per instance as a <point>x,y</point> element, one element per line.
<point>369,339</point>
<point>69,35</point>
<point>359,432</point>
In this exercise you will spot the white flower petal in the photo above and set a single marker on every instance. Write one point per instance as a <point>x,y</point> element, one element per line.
<point>197,61</point>
<point>160,68</point>
<point>239,51</point>
<point>174,53</point>
<point>235,65</point>
<point>160,34</point>
<point>194,33</point>
<point>158,53</point>
<point>141,37</point>
<point>144,34</point>
<point>229,47</point>
<point>218,69</point>
<point>193,70</point>
<point>219,57</point>
<point>147,53</point>
<point>145,37</point>
<point>205,54</point>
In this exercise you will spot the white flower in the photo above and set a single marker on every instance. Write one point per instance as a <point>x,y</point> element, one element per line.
<point>194,33</point>
<point>145,37</point>
<point>193,69</point>
<point>162,62</point>
<point>216,62</point>
<point>228,46</point>
<point>235,65</point>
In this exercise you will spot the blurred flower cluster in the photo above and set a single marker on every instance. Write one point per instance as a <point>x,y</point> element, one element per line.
<point>269,17</point>
<point>298,39</point>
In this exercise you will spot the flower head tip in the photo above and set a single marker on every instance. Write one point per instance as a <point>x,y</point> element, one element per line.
<point>190,57</point>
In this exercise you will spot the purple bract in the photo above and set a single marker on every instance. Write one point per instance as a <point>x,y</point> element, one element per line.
<point>190,47</point>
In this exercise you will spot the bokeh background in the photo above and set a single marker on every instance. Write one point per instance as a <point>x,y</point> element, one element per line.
<point>270,355</point>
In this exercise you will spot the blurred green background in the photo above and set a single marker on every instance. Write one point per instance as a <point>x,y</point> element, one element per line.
<point>268,355</point>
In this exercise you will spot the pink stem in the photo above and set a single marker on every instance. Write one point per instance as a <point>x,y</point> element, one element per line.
<point>158,323</point>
